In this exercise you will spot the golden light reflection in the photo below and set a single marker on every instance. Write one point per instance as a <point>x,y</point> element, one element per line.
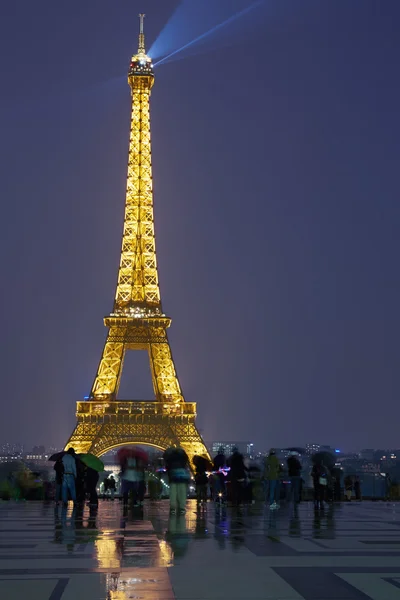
<point>166,554</point>
<point>108,553</point>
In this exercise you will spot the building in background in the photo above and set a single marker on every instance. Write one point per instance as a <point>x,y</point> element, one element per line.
<point>12,449</point>
<point>313,448</point>
<point>246,448</point>
<point>368,454</point>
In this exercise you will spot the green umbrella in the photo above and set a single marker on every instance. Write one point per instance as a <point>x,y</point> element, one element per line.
<point>90,460</point>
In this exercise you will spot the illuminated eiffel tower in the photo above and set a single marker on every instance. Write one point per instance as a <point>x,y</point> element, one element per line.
<point>137,321</point>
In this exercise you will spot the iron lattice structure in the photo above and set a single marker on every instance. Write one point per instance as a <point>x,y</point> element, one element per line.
<point>137,321</point>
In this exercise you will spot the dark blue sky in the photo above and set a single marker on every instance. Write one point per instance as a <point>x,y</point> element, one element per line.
<point>275,157</point>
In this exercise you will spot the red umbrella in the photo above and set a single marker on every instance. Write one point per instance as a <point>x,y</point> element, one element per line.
<point>124,453</point>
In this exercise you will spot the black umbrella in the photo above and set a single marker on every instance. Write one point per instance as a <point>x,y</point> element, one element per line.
<point>254,468</point>
<point>57,456</point>
<point>325,458</point>
<point>201,463</point>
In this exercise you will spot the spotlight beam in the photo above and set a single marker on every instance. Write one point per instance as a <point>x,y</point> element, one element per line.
<point>210,31</point>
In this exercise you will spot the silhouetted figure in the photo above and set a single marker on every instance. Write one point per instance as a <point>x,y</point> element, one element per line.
<point>219,479</point>
<point>336,476</point>
<point>294,473</point>
<point>357,487</point>
<point>80,482</point>
<point>201,479</point>
<point>348,487</point>
<point>320,476</point>
<point>272,470</point>
<point>237,476</point>
<point>59,469</point>
<point>91,479</point>
<point>112,486</point>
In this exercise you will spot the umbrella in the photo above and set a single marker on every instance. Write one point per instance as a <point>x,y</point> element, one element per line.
<point>254,468</point>
<point>57,456</point>
<point>323,457</point>
<point>200,462</point>
<point>91,461</point>
<point>124,453</point>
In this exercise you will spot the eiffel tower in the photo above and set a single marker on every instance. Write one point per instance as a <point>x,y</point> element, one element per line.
<point>137,321</point>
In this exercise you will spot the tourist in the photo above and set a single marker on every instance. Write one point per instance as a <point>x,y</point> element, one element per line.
<point>237,476</point>
<point>91,480</point>
<point>177,466</point>
<point>132,478</point>
<point>109,486</point>
<point>348,487</point>
<point>69,475</point>
<point>320,475</point>
<point>272,470</point>
<point>336,473</point>
<point>112,486</point>
<point>294,473</point>
<point>201,479</point>
<point>219,488</point>
<point>357,487</point>
<point>80,482</point>
<point>59,469</point>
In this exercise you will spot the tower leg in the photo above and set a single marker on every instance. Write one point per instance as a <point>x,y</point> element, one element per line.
<point>109,372</point>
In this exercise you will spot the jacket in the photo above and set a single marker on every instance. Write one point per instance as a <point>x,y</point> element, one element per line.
<point>294,466</point>
<point>272,468</point>
<point>69,464</point>
<point>177,465</point>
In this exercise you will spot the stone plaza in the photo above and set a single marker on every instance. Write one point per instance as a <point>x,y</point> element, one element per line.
<point>347,552</point>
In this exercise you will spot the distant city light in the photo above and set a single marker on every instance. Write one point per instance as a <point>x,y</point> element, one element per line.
<point>337,451</point>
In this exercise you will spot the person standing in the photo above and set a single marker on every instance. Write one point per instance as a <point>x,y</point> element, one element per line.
<point>80,483</point>
<point>106,484</point>
<point>68,482</point>
<point>294,473</point>
<point>59,469</point>
<point>348,487</point>
<point>177,466</point>
<point>132,477</point>
<point>91,480</point>
<point>320,476</point>
<point>272,474</point>
<point>237,476</point>
<point>112,486</point>
<point>357,487</point>
<point>218,480</point>
<point>201,480</point>
<point>336,473</point>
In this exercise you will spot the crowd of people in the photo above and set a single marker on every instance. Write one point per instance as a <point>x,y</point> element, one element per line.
<point>77,482</point>
<point>74,480</point>
<point>223,479</point>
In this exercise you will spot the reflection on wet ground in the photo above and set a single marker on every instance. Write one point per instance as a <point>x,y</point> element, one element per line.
<point>47,552</point>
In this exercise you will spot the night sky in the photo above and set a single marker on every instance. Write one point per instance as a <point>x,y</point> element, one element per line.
<point>275,163</point>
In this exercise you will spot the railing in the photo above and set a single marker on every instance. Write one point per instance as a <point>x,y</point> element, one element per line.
<point>95,408</point>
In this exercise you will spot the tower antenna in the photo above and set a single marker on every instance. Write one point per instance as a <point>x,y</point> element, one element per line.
<point>141,49</point>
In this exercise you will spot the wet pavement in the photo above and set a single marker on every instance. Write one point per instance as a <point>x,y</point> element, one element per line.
<point>348,552</point>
